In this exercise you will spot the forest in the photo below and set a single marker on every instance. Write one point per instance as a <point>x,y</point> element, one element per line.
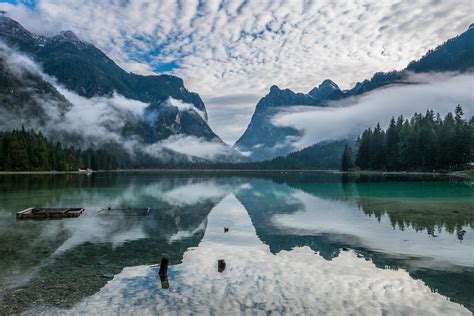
<point>423,143</point>
<point>22,150</point>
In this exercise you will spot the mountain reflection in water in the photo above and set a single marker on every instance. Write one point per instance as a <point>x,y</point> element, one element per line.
<point>283,251</point>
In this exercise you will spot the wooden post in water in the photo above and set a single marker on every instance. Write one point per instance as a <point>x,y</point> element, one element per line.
<point>164,281</point>
<point>221,265</point>
<point>164,266</point>
<point>164,273</point>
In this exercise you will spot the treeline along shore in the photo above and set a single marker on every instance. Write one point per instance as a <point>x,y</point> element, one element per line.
<point>423,143</point>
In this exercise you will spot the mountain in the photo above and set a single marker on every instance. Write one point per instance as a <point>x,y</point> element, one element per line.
<point>82,68</point>
<point>22,95</point>
<point>263,140</point>
<point>325,155</point>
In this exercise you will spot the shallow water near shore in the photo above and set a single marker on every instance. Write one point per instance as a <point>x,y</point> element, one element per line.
<point>298,243</point>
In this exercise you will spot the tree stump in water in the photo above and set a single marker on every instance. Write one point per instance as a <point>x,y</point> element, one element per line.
<point>164,267</point>
<point>221,265</point>
<point>164,281</point>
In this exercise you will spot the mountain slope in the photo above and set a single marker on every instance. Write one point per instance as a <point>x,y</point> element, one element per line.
<point>88,78</point>
<point>323,155</point>
<point>264,140</point>
<point>25,97</point>
<point>81,67</point>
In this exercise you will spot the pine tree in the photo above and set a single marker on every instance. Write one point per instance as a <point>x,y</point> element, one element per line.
<point>422,143</point>
<point>405,146</point>
<point>377,147</point>
<point>391,145</point>
<point>347,163</point>
<point>427,141</point>
<point>2,156</point>
<point>364,152</point>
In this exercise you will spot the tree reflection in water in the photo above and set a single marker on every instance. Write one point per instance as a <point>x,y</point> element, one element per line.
<point>275,225</point>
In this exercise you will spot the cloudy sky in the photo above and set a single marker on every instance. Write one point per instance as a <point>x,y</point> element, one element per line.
<point>231,52</point>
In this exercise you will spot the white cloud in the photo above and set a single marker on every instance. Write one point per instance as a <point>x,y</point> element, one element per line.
<point>101,119</point>
<point>194,193</point>
<point>231,47</point>
<point>296,282</point>
<point>186,107</point>
<point>318,216</point>
<point>139,68</point>
<point>191,146</point>
<point>440,92</point>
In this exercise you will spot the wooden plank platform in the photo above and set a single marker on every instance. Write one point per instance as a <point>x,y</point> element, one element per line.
<point>124,211</point>
<point>43,213</point>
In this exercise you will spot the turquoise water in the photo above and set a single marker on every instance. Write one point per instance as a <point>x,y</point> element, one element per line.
<point>298,243</point>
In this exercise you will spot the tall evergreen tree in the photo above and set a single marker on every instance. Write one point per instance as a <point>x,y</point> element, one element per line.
<point>364,153</point>
<point>425,142</point>
<point>391,145</point>
<point>377,148</point>
<point>347,162</point>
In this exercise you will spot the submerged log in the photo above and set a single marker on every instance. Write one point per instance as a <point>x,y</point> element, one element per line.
<point>124,211</point>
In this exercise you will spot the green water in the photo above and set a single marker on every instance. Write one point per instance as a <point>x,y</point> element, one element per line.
<point>298,243</point>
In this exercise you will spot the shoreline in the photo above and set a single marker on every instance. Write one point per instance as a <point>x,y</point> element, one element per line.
<point>461,174</point>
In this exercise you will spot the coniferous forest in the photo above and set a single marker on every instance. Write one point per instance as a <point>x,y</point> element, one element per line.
<point>22,150</point>
<point>424,142</point>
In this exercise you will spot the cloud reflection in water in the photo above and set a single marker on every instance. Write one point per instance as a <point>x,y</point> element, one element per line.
<point>292,282</point>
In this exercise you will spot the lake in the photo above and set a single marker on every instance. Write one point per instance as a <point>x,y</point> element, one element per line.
<point>297,243</point>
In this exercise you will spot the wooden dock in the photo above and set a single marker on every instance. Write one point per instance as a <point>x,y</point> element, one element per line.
<point>45,213</point>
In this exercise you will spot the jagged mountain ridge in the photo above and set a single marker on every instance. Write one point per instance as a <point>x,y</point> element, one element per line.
<point>264,140</point>
<point>85,70</point>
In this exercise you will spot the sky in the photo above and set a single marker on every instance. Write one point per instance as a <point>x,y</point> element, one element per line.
<point>232,52</point>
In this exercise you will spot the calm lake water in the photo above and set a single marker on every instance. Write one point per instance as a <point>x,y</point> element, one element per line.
<point>298,243</point>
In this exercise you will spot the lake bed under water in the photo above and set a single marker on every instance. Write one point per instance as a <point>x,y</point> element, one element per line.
<point>298,243</point>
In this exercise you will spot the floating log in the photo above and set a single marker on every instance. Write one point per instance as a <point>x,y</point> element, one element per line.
<point>125,211</point>
<point>43,213</point>
<point>220,265</point>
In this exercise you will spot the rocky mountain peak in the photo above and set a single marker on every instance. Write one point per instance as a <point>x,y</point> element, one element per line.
<point>69,35</point>
<point>274,89</point>
<point>329,83</point>
<point>325,89</point>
